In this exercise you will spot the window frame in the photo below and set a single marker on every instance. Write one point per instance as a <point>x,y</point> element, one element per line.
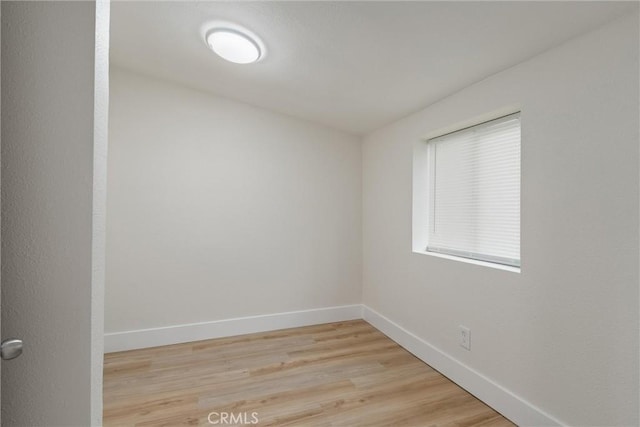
<point>429,151</point>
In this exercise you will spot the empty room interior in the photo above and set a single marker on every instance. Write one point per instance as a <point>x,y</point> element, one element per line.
<point>295,191</point>
<point>341,213</point>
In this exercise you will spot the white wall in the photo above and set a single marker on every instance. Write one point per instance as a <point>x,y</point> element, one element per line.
<point>562,334</point>
<point>49,291</point>
<point>219,210</point>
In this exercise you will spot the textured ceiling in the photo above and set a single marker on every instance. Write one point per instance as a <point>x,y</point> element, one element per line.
<point>354,66</point>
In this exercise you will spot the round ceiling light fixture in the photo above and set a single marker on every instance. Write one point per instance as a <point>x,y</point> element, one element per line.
<point>234,46</point>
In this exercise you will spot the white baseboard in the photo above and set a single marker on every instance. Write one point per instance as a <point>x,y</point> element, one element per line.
<point>143,338</point>
<point>502,400</point>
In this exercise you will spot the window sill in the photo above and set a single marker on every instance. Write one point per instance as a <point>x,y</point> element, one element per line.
<point>470,261</point>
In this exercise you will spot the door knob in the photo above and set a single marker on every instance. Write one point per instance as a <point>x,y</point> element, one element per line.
<point>10,348</point>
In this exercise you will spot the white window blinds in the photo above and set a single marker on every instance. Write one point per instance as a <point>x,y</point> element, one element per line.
<point>474,197</point>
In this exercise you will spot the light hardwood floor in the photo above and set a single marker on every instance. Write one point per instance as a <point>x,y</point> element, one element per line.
<point>337,374</point>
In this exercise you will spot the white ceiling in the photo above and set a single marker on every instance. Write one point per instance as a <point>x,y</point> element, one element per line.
<point>354,66</point>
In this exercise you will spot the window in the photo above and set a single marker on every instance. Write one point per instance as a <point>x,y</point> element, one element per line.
<point>474,192</point>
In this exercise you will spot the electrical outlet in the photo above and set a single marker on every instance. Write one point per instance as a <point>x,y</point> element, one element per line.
<point>465,337</point>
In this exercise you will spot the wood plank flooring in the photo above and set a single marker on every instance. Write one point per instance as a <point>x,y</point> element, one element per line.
<point>336,374</point>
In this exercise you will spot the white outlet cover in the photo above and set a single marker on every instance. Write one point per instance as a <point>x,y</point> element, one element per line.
<point>465,337</point>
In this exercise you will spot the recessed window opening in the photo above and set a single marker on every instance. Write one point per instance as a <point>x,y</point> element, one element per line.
<point>474,192</point>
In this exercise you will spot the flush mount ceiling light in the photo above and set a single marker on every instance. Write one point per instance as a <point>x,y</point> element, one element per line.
<point>234,46</point>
